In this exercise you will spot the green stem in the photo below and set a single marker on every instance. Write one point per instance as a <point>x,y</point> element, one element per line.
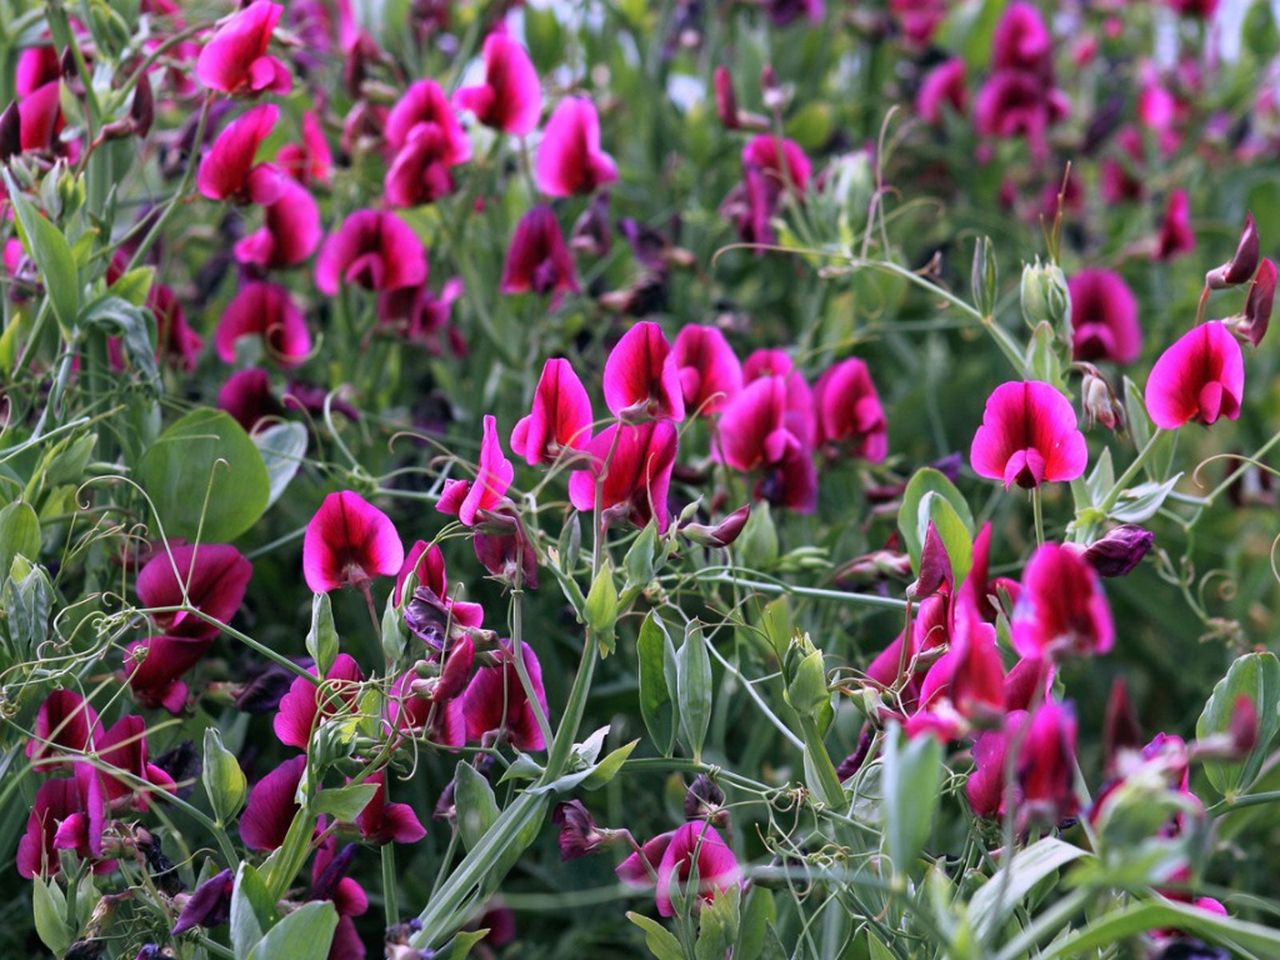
<point>391,906</point>
<point>1037,510</point>
<point>828,786</point>
<point>858,599</point>
<point>1132,471</point>
<point>1227,804</point>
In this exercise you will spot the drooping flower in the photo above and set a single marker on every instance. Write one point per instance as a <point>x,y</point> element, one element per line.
<point>538,259</point>
<point>636,478</point>
<point>1243,262</point>
<point>271,806</point>
<point>1061,609</point>
<point>212,578</point>
<point>426,562</point>
<point>1176,236</point>
<point>384,822</point>
<point>1104,317</point>
<point>124,747</point>
<point>209,904</point>
<point>65,721</point>
<point>943,87</point>
<point>425,105</point>
<point>374,249</point>
<point>848,412</point>
<point>235,58</point>
<point>640,376</point>
<point>769,427</point>
<point>1199,377</point>
<point>349,541</point>
<point>1252,324</point>
<point>465,499</point>
<point>709,371</point>
<point>154,668</point>
<point>68,813</point>
<point>506,551</point>
<point>228,172</point>
<point>509,99</point>
<point>267,311</point>
<point>496,700</point>
<point>579,836</point>
<point>560,419</point>
<point>1028,436</point>
<point>310,161</point>
<point>289,234</point>
<point>673,856</point>
<point>569,157</point>
<point>306,705</point>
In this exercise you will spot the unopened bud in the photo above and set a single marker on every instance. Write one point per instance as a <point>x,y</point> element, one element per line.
<point>1242,265</point>
<point>10,132</point>
<point>579,835</point>
<point>772,92</point>
<point>1119,550</point>
<point>720,534</point>
<point>1045,298</point>
<point>704,801</point>
<point>726,101</point>
<point>142,110</point>
<point>1099,401</point>
<point>591,231</point>
<point>1252,324</point>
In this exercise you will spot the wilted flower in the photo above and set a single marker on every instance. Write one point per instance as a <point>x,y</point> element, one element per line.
<point>1199,377</point>
<point>1028,436</point>
<point>579,835</point>
<point>426,562</point>
<point>703,800</point>
<point>1119,550</point>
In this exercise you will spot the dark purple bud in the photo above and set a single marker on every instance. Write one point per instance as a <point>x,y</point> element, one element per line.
<point>720,534</point>
<point>1120,727</point>
<point>726,102</point>
<point>143,109</point>
<point>854,761</point>
<point>263,692</point>
<point>445,807</point>
<point>1241,266</point>
<point>1252,324</point>
<point>1119,550</point>
<point>183,764</point>
<point>1243,728</point>
<point>149,951</point>
<point>325,885</point>
<point>209,905</point>
<point>591,230</point>
<point>705,801</point>
<point>10,132</point>
<point>579,834</point>
<point>935,566</point>
<point>648,245</point>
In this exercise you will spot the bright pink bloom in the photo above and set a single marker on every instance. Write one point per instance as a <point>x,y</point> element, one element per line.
<point>1013,103</point>
<point>424,105</point>
<point>349,541</point>
<point>495,700</point>
<point>970,674</point>
<point>267,311</point>
<point>64,722</point>
<point>761,153</point>
<point>235,59</point>
<point>1022,41</point>
<point>36,66</point>
<point>640,376</point>
<point>943,86</point>
<point>290,234</point>
<point>1028,435</point>
<point>767,363</point>
<point>985,786</point>
<point>1104,317</point>
<point>465,499</point>
<point>919,19</point>
<point>560,419</point>
<point>306,705</point>
<point>271,806</point>
<point>569,157</point>
<point>310,161</point>
<point>538,259</point>
<point>848,412</point>
<point>1061,608</point>
<point>420,171</point>
<point>426,562</point>
<point>374,249</point>
<point>674,855</point>
<point>212,577</point>
<point>636,479</point>
<point>68,814</point>
<point>1046,764</point>
<point>228,172</point>
<point>1176,236</point>
<point>124,747</point>
<point>1199,377</point>
<point>40,118</point>
<point>382,822</point>
<point>153,669</point>
<point>509,99</point>
<point>709,371</point>
<point>769,426</point>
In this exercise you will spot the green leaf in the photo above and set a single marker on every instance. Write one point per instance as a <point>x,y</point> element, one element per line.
<point>608,768</point>
<point>463,941</point>
<point>282,446</point>
<point>27,599</point>
<point>305,934</point>
<point>718,925</point>
<point>1140,503</point>
<point>987,910</point>
<point>924,481</point>
<point>19,534</point>
<point>1257,676</point>
<point>52,255</point>
<point>205,451</point>
<point>135,328</point>
<point>693,688</point>
<point>475,803</point>
<point>656,706</point>
<point>344,804</point>
<point>758,914</point>
<point>322,638</point>
<point>1101,478</point>
<point>911,782</point>
<point>133,287</point>
<point>1117,925</point>
<point>252,911</point>
<point>955,535</point>
<point>50,909</point>
<point>223,779</point>
<point>660,941</point>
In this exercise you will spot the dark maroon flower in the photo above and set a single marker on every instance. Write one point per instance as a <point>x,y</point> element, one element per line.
<point>124,747</point>
<point>154,667</point>
<point>495,700</point>
<point>1119,550</point>
<point>1252,324</point>
<point>1243,262</point>
<point>271,806</point>
<point>209,904</point>
<point>538,259</point>
<point>383,822</point>
<point>68,814</point>
<point>579,835</point>
<point>64,722</point>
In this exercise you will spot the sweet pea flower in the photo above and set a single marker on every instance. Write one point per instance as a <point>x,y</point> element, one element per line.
<point>985,787</point>
<point>1176,236</point>
<point>767,363</point>
<point>569,159</point>
<point>374,249</point>
<point>124,747</point>
<point>153,668</point>
<point>37,120</point>
<point>409,712</point>
<point>1046,765</point>
<point>1022,41</point>
<point>506,551</point>
<point>560,419</point>
<point>348,542</point>
<point>383,822</point>
<point>306,705</point>
<point>538,259</point>
<point>310,161</point>
<point>68,813</point>
<point>1199,377</point>
<point>235,59</point>
<point>1104,317</point>
<point>271,806</point>
<point>640,376</point>
<point>848,412</point>
<point>1061,608</point>
<point>291,231</point>
<point>465,499</point>
<point>176,342</point>
<point>636,478</point>
<point>709,371</point>
<point>420,172</point>
<point>674,855</point>
<point>918,19</point>
<point>769,427</point>
<point>1028,435</point>
<point>247,396</point>
<point>943,87</point>
<point>423,106</point>
<point>509,99</point>
<point>209,904</point>
<point>423,317</point>
<point>1252,324</point>
<point>267,311</point>
<point>65,721</point>
<point>426,562</point>
<point>228,172</point>
<point>212,578</point>
<point>495,700</point>
<point>1014,103</point>
<point>1243,262</point>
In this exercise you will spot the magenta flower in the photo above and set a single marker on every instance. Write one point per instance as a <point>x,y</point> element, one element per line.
<point>465,499</point>
<point>423,106</point>
<point>422,317</point>
<point>1047,764</point>
<point>943,86</point>
<point>1013,103</point>
<point>235,58</point>
<point>560,419</point>
<point>1252,324</point>
<point>1022,41</point>
<point>329,881</point>
<point>426,562</point>
<point>212,578</point>
<point>1199,377</point>
<point>769,426</point>
<point>420,171</point>
<point>538,259</point>
<point>67,814</point>
<point>673,857</point>
<point>1028,435</point>
<point>124,747</point>
<point>310,161</point>
<point>381,822</point>
<point>228,172</point>
<point>306,705</point>
<point>374,249</point>
<point>636,479</point>
<point>267,311</point>
<point>640,376</point>
<point>1104,317</point>
<point>495,700</point>
<point>40,118</point>
<point>848,412</point>
<point>209,904</point>
<point>1176,236</point>
<point>409,712</point>
<point>65,722</point>
<point>1243,262</point>
<point>985,786</point>
<point>348,542</point>
<point>247,396</point>
<point>509,99</point>
<point>569,157</point>
<point>790,166</point>
<point>271,806</point>
<point>154,667</point>
<point>290,234</point>
<point>1061,608</point>
<point>709,372</point>
<point>767,363</point>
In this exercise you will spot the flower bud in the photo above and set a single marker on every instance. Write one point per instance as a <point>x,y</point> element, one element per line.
<point>983,278</point>
<point>873,567</point>
<point>10,132</point>
<point>1252,324</point>
<point>1045,298</point>
<point>1242,265</point>
<point>704,801</point>
<point>726,102</point>
<point>1119,550</point>
<point>591,234</point>
<point>772,92</point>
<point>1099,401</point>
<point>579,835</point>
<point>142,111</point>
<point>721,534</point>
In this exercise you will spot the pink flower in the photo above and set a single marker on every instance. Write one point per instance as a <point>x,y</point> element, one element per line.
<point>1013,103</point>
<point>1199,377</point>
<point>228,172</point>
<point>791,165</point>
<point>673,857</point>
<point>306,705</point>
<point>420,171</point>
<point>1176,236</point>
<point>465,499</point>
<point>265,310</point>
<point>496,700</point>
<point>1252,324</point>
<point>1061,608</point>
<point>1104,317</point>
<point>769,426</point>
<point>422,317</point>
<point>310,161</point>
<point>1046,764</point>
<point>290,234</point>
<point>426,562</point>
<point>124,747</point>
<point>67,814</point>
<point>1028,435</point>
<point>509,99</point>
<point>212,578</point>
<point>374,249</point>
<point>1022,41</point>
<point>349,541</point>
<point>382,822</point>
<point>409,712</point>
<point>569,157</point>
<point>848,412</point>
<point>640,377</point>
<point>271,806</point>
<point>919,19</point>
<point>247,396</point>
<point>64,722</point>
<point>538,259</point>
<point>560,419</point>
<point>709,371</point>
<point>235,58</point>
<point>153,669</point>
<point>767,363</point>
<point>636,478</point>
<point>425,105</point>
<point>985,786</point>
<point>943,86</point>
